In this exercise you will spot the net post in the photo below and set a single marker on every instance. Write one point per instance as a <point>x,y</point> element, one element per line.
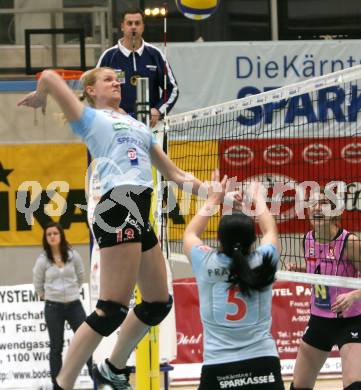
<point>147,374</point>
<point>142,104</point>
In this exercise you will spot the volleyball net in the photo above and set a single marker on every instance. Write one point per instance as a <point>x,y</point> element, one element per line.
<point>294,140</point>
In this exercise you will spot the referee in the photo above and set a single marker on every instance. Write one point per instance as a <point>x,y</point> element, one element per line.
<point>132,57</point>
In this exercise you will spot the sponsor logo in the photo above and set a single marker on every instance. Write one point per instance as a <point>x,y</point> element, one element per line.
<point>131,140</point>
<point>238,155</point>
<point>128,234</point>
<point>331,253</point>
<point>120,126</point>
<point>352,153</point>
<point>133,222</point>
<point>354,335</point>
<point>316,153</point>
<point>119,233</point>
<point>277,154</point>
<point>183,339</point>
<point>231,381</point>
<point>132,155</point>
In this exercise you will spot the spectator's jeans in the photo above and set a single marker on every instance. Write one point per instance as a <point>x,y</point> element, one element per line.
<point>55,315</point>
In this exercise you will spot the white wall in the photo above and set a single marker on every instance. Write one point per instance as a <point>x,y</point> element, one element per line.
<point>31,21</point>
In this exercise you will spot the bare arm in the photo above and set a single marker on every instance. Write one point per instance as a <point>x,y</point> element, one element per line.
<point>353,249</point>
<point>265,219</point>
<point>268,228</point>
<point>198,224</point>
<point>171,172</point>
<point>51,83</point>
<point>353,252</point>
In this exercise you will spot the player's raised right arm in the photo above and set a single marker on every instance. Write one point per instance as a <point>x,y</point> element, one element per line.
<point>51,83</point>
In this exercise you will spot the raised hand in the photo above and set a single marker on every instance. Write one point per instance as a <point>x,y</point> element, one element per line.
<point>34,99</point>
<point>217,188</point>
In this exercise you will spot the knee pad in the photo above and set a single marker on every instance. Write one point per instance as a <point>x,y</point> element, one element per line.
<point>153,313</point>
<point>353,386</point>
<point>114,315</point>
<point>298,388</point>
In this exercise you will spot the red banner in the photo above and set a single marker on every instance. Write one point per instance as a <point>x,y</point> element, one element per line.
<point>188,322</point>
<point>290,314</point>
<point>291,161</point>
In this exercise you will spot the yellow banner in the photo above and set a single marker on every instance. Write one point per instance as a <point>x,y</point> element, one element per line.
<point>40,183</point>
<point>199,158</point>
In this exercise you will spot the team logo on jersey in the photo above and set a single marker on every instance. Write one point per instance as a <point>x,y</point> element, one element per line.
<point>354,335</point>
<point>132,155</point>
<point>331,253</point>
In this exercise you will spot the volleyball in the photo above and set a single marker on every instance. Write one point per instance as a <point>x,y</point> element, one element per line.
<point>197,9</point>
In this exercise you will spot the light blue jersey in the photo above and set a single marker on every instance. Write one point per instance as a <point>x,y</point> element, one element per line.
<point>236,327</point>
<point>121,146</point>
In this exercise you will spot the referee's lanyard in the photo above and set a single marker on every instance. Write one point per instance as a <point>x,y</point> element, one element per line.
<point>133,53</point>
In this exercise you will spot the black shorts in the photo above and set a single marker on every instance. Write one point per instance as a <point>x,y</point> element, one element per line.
<point>253,374</point>
<point>323,333</point>
<point>122,216</point>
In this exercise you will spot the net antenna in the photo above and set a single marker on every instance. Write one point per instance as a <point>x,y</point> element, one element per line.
<point>165,55</point>
<point>290,139</point>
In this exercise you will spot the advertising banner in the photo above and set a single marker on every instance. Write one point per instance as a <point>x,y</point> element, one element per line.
<point>238,69</point>
<point>40,183</point>
<point>286,163</point>
<point>24,339</point>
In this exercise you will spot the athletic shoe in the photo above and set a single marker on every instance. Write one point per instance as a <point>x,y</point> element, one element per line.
<point>105,379</point>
